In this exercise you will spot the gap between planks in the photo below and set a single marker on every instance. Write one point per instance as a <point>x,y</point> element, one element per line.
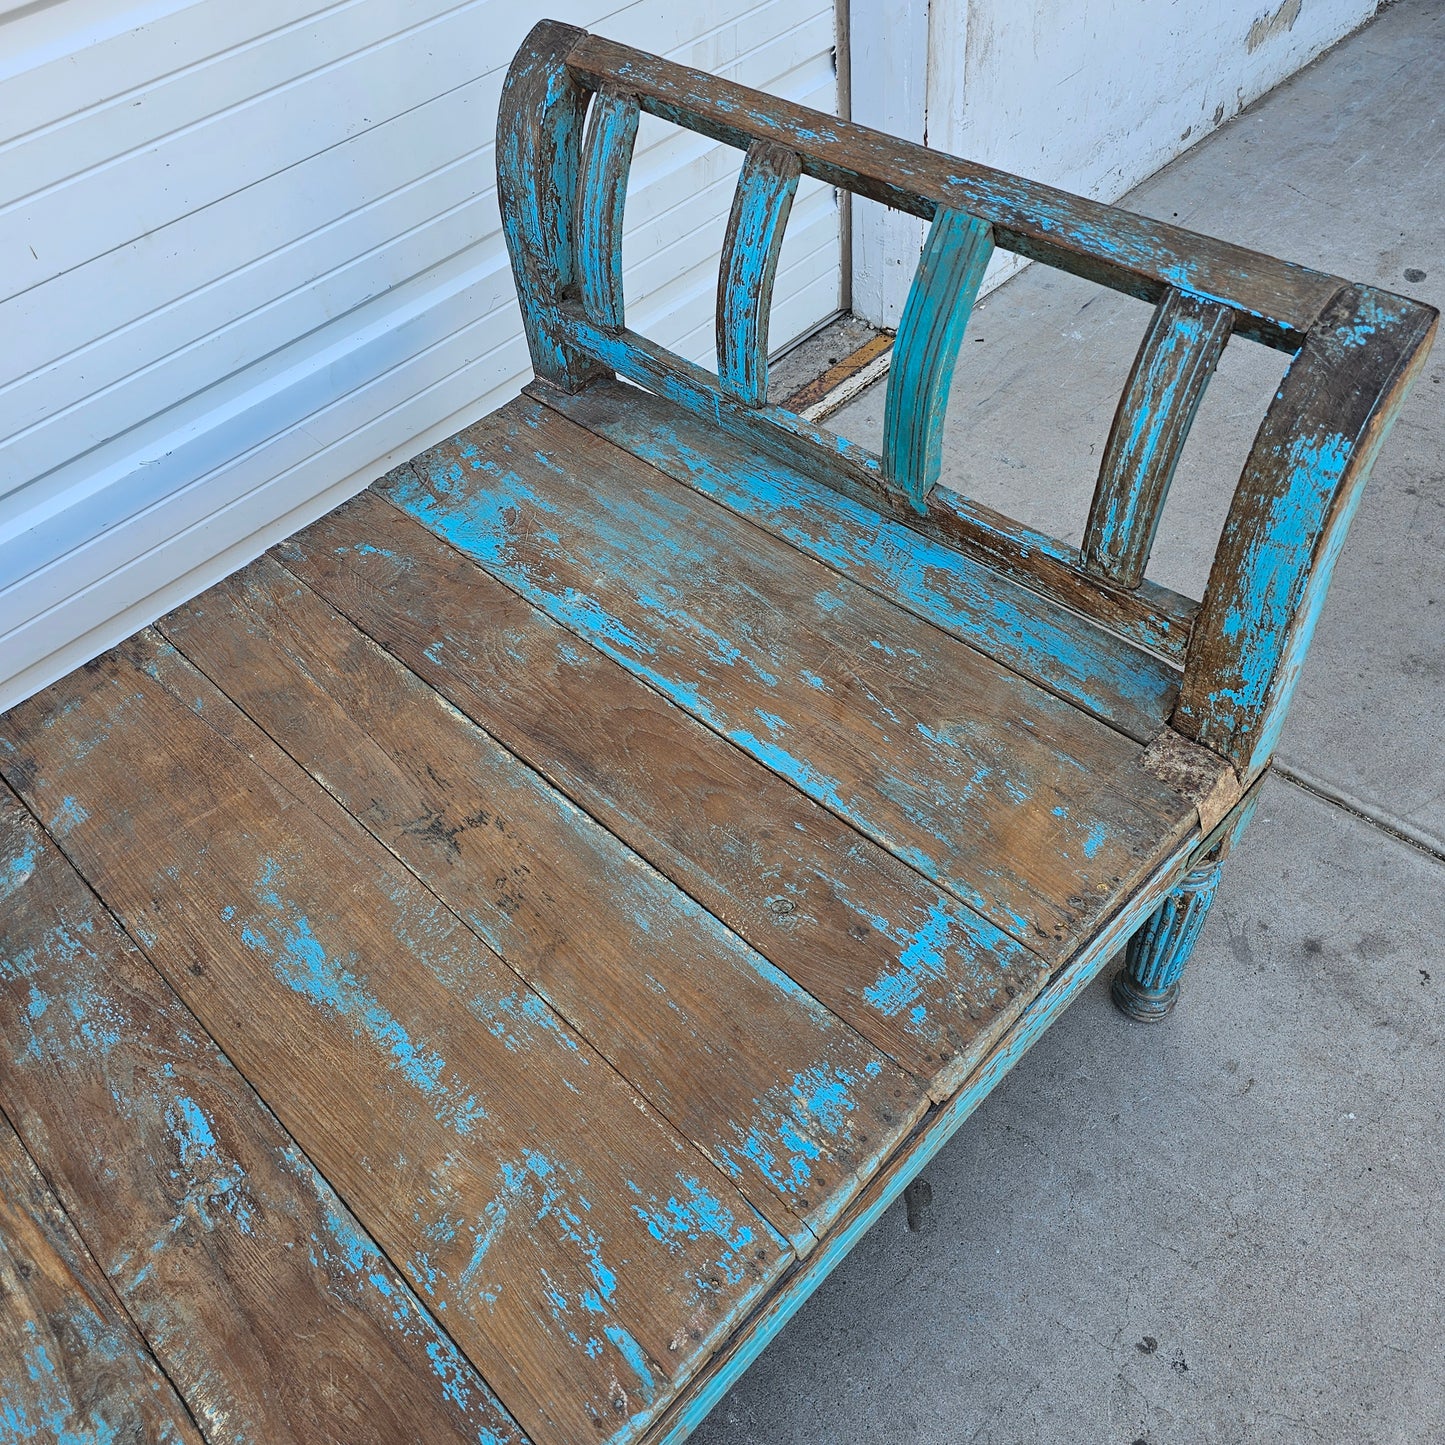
<point>230,1097</point>
<point>1069,727</point>
<point>803,1238</point>
<point>706,883</point>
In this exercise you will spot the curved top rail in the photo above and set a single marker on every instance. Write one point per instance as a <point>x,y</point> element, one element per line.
<point>1274,301</point>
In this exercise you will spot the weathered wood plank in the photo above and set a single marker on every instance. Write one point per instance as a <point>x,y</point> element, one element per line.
<point>1176,359</point>
<point>1150,616</point>
<point>1287,522</point>
<point>1021,806</point>
<point>273,1313</point>
<point>914,971</point>
<point>539,133</point>
<point>754,238</point>
<point>792,1105</point>
<point>935,317</point>
<point>1083,663</point>
<point>601,201</point>
<point>1275,302</point>
<point>720,1372</point>
<point>72,1367</point>
<point>581,1254</point>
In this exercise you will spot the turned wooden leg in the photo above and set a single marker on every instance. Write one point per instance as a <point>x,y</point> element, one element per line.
<point>1146,987</point>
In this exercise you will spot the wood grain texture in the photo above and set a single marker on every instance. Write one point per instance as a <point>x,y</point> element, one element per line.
<point>1274,301</point>
<point>539,134</point>
<point>1150,616</point>
<point>751,246</point>
<point>601,201</point>
<point>927,981</point>
<point>935,317</point>
<point>788,1102</point>
<point>1176,359</point>
<point>708,1388</point>
<point>274,1314</point>
<point>1087,665</point>
<point>1287,523</point>
<point>72,1367</point>
<point>1025,809</point>
<point>581,1254</point>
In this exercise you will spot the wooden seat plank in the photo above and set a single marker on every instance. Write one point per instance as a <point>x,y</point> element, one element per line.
<point>1030,812</point>
<point>1083,663</point>
<point>72,1367</point>
<point>792,1104</point>
<point>581,1254</point>
<point>928,981</point>
<point>275,1316</point>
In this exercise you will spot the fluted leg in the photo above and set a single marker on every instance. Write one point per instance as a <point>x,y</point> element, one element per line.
<point>1146,987</point>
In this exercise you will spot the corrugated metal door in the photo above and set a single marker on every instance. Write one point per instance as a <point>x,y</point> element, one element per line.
<point>250,257</point>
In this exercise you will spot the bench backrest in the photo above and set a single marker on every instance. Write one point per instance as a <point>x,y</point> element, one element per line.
<point>569,117</point>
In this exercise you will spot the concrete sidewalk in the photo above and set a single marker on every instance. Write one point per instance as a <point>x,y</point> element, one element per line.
<point>1230,1227</point>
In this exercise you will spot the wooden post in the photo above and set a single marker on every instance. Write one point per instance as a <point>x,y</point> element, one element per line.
<point>1147,987</point>
<point>539,143</point>
<point>1287,523</point>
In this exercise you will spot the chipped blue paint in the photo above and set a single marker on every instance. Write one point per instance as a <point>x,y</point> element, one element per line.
<point>924,956</point>
<point>1175,363</point>
<point>762,202</point>
<point>1130,689</point>
<point>1376,311</point>
<point>346,1247</point>
<point>194,1132</point>
<point>210,1178</point>
<point>631,1351</point>
<point>69,815</point>
<point>1299,492</point>
<point>17,871</point>
<point>481,524</point>
<point>300,961</point>
<point>940,1128</point>
<point>696,1213</point>
<point>81,1012</point>
<point>1272,573</point>
<point>46,1413</point>
<point>79,1017</point>
<point>935,316</point>
<point>538,159</point>
<point>607,159</point>
<point>542,1191</point>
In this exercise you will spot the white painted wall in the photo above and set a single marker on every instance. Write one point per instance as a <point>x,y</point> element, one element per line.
<point>1088,95</point>
<point>889,76</point>
<point>250,258</point>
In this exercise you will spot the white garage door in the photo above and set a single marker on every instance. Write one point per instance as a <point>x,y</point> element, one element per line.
<point>250,258</point>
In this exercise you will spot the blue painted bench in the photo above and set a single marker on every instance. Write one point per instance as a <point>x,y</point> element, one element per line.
<point>1201,688</point>
<point>472,974</point>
